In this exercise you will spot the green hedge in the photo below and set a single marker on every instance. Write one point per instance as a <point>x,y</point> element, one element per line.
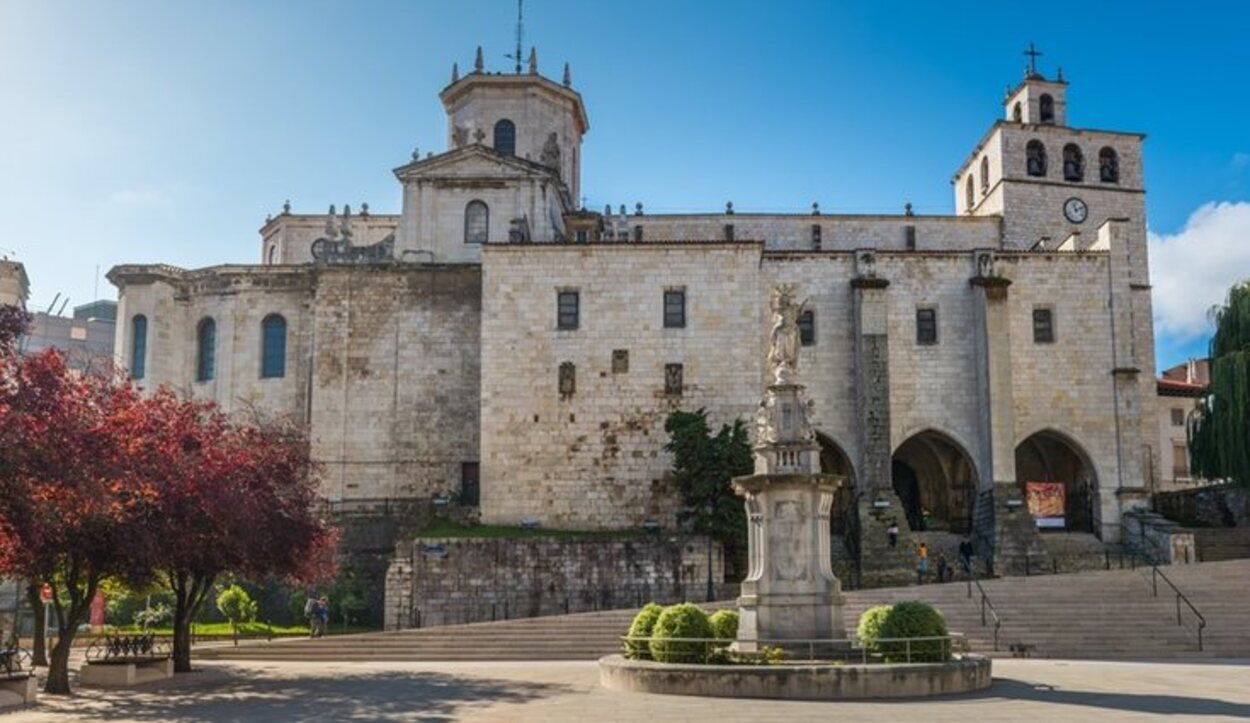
<point>637,646</point>
<point>681,621</point>
<point>724,625</point>
<point>904,620</point>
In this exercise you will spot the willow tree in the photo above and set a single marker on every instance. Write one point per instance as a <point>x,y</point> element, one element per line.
<point>1219,433</point>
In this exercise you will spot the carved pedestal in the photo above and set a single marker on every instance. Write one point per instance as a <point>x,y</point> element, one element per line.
<point>790,592</point>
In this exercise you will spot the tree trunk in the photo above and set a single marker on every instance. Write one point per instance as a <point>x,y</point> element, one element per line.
<point>182,635</point>
<point>39,648</point>
<point>58,671</point>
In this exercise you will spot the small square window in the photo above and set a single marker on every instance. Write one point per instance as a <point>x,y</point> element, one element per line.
<point>568,310</point>
<point>673,381</point>
<point>926,327</point>
<point>675,309</point>
<point>1178,417</point>
<point>620,361</point>
<point>807,328</point>
<point>1043,326</point>
<point>580,236</point>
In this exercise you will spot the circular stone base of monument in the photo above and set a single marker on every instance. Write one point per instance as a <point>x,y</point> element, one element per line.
<point>964,674</point>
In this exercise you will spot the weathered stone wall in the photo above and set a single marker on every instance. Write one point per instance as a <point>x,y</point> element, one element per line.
<point>594,459</point>
<point>382,363</point>
<point>1213,506</point>
<point>445,581</point>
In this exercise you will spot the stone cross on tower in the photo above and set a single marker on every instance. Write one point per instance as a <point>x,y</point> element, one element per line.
<point>1033,54</point>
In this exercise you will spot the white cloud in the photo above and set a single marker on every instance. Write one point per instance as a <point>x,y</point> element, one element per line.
<point>1193,269</point>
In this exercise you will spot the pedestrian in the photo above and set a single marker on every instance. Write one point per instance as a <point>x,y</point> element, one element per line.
<point>943,568</point>
<point>310,614</point>
<point>892,533</point>
<point>965,555</point>
<point>323,615</point>
<point>922,562</point>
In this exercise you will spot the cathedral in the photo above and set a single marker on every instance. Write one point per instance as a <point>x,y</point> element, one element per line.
<point>498,343</point>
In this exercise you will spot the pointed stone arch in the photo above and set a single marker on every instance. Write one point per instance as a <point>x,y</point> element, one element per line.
<point>835,460</point>
<point>1051,455</point>
<point>932,472</point>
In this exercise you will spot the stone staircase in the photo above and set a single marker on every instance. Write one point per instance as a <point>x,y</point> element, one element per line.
<point>1106,614</point>
<point>1221,543</point>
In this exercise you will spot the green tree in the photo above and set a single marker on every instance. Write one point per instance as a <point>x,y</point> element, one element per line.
<point>237,606</point>
<point>1219,430</point>
<point>703,465</point>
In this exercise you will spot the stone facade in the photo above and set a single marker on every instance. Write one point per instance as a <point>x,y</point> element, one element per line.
<point>14,285</point>
<point>951,358</point>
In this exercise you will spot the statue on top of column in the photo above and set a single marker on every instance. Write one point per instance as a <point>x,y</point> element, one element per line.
<point>783,351</point>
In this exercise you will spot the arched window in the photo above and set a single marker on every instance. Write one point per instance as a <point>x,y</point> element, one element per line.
<point>1035,158</point>
<point>205,350</point>
<point>273,347</point>
<point>505,137</point>
<point>138,346</point>
<point>1108,165</point>
<point>969,198</point>
<point>273,254</point>
<point>1073,163</point>
<point>476,222</point>
<point>1047,108</point>
<point>1017,114</point>
<point>985,175</point>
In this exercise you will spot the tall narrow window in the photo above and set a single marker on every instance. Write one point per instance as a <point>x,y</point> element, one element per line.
<point>138,346</point>
<point>1073,163</point>
<point>273,347</point>
<point>926,326</point>
<point>1035,158</point>
<point>816,237</point>
<point>985,175</point>
<point>1043,326</point>
<point>568,379</point>
<point>505,137</point>
<point>1180,460</point>
<point>807,328</point>
<point>273,254</point>
<point>673,379</point>
<point>568,310</point>
<point>1047,104</point>
<point>969,197</point>
<point>675,309</point>
<point>205,350</point>
<point>1017,114</point>
<point>470,483</point>
<point>476,222</point>
<point>1108,165</point>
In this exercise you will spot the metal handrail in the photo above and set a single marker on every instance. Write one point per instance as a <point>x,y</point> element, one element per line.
<point>852,644</point>
<point>1155,574</point>
<point>986,605</point>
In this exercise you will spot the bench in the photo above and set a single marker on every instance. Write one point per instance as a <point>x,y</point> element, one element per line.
<point>126,660</point>
<point>18,685</point>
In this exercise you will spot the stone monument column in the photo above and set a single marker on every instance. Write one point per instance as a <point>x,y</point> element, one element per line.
<point>790,592</point>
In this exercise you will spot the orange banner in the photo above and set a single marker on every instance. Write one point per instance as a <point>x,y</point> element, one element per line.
<point>1047,502</point>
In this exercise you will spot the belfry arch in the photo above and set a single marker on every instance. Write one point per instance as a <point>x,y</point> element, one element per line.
<point>935,481</point>
<point>1051,456</point>
<point>833,460</point>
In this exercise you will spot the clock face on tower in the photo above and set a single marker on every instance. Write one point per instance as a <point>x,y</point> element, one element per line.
<point>1075,210</point>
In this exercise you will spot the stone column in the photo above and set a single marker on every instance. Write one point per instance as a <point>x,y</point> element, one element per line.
<point>876,503</point>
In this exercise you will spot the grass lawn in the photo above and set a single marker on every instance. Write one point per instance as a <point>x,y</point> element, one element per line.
<point>246,629</point>
<point>447,528</point>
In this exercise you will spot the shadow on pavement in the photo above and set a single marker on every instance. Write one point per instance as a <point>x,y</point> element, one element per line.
<point>229,694</point>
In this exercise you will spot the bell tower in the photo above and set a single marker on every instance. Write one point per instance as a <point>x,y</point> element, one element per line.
<point>1037,99</point>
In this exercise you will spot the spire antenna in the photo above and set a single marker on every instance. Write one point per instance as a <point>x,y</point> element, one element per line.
<point>520,35</point>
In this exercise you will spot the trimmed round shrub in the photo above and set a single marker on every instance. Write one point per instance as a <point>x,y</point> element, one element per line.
<point>724,625</point>
<point>681,621</point>
<point>636,646</point>
<point>914,620</point>
<point>869,628</point>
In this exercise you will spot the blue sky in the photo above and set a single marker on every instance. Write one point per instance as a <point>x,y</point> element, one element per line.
<point>166,131</point>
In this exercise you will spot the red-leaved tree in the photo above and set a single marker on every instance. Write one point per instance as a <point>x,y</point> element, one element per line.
<point>72,509</point>
<point>235,499</point>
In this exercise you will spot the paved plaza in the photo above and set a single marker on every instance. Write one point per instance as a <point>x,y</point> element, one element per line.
<point>569,691</point>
